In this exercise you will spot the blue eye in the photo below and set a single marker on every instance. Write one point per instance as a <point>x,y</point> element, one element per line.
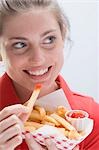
<point>50,40</point>
<point>19,45</point>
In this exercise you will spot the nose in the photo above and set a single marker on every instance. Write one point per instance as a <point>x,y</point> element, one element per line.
<point>37,56</point>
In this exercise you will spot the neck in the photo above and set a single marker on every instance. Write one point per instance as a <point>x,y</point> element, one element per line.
<point>24,94</point>
<point>48,90</point>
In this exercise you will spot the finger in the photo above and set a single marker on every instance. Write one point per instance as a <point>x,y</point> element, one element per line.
<point>50,145</point>
<point>76,148</point>
<point>14,109</point>
<point>10,121</point>
<point>32,144</point>
<point>10,133</point>
<point>13,143</point>
<point>24,117</point>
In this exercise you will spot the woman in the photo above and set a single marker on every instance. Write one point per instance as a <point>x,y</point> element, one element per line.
<point>32,36</point>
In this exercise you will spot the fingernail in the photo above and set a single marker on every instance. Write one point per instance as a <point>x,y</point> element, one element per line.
<point>48,142</point>
<point>23,136</point>
<point>26,109</point>
<point>25,132</point>
<point>28,135</point>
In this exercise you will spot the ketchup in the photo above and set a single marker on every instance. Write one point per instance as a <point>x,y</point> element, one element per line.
<point>77,115</point>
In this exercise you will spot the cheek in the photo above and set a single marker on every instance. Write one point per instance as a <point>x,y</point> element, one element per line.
<point>59,60</point>
<point>60,55</point>
<point>9,58</point>
<point>60,52</point>
<point>13,62</point>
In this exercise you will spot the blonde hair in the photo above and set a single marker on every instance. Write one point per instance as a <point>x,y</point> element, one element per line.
<point>13,7</point>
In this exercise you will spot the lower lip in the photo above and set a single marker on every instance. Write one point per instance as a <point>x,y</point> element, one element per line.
<point>41,78</point>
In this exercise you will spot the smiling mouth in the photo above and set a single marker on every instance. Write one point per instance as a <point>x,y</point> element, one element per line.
<point>38,73</point>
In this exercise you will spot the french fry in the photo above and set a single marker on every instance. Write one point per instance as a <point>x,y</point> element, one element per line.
<point>66,132</point>
<point>49,113</point>
<point>33,98</point>
<point>35,115</point>
<point>63,122</point>
<point>47,123</point>
<point>61,110</point>
<point>30,128</point>
<point>73,134</point>
<point>51,119</point>
<point>34,124</point>
<point>41,110</point>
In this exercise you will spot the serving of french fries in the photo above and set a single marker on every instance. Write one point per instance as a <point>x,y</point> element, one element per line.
<point>40,117</point>
<point>45,123</point>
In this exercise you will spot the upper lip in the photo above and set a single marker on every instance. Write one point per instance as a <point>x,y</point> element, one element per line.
<point>37,70</point>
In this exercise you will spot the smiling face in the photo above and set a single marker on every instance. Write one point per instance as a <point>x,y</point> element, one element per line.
<point>33,48</point>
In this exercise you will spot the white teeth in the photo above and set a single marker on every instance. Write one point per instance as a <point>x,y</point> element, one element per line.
<point>39,72</point>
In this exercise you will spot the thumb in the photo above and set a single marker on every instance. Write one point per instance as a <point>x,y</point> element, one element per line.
<point>24,116</point>
<point>76,148</point>
<point>50,145</point>
<point>32,144</point>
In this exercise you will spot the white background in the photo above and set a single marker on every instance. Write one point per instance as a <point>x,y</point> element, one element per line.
<point>81,67</point>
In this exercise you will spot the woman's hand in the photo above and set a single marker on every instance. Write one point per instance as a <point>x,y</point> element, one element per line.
<point>32,144</point>
<point>11,126</point>
<point>76,148</point>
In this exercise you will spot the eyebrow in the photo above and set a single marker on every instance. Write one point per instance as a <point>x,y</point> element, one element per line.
<point>47,32</point>
<point>18,38</point>
<point>23,38</point>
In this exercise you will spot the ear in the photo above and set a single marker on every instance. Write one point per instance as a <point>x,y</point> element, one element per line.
<point>0,57</point>
<point>0,50</point>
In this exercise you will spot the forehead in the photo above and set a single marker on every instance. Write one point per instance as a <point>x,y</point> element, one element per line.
<point>36,21</point>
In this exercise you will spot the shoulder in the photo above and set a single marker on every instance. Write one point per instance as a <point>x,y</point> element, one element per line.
<point>4,81</point>
<point>92,107</point>
<point>85,102</point>
<point>3,77</point>
<point>79,101</point>
<point>88,104</point>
